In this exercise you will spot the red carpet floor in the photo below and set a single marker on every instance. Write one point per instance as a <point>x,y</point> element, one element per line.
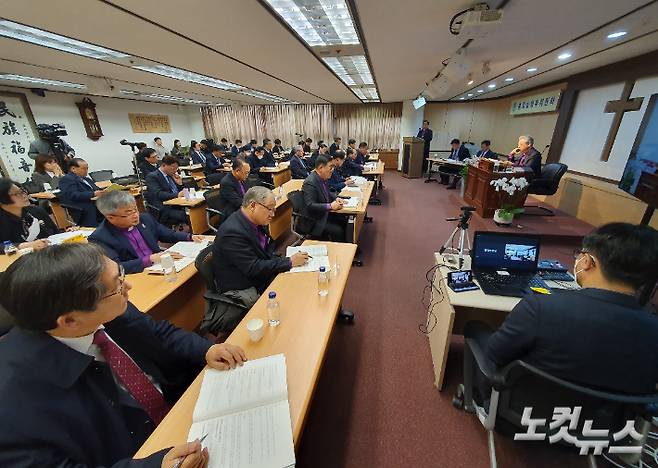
<point>375,404</point>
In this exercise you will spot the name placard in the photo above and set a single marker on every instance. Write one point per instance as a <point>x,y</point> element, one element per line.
<point>149,123</point>
<point>545,102</point>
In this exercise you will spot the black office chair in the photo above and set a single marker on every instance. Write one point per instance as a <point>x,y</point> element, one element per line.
<point>222,314</point>
<point>125,180</point>
<point>300,225</point>
<point>213,209</point>
<point>253,180</point>
<point>520,385</point>
<point>546,184</point>
<point>73,213</point>
<point>101,176</point>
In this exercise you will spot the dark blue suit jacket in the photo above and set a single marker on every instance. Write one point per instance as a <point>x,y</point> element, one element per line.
<point>336,182</point>
<point>235,150</point>
<point>118,247</point>
<point>197,158</point>
<point>212,164</point>
<point>256,163</point>
<point>351,168</point>
<point>76,192</point>
<point>298,168</point>
<point>269,159</point>
<point>59,407</point>
<point>158,189</point>
<point>426,135</point>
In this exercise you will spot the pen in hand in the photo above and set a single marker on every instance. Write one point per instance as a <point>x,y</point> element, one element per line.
<point>182,459</point>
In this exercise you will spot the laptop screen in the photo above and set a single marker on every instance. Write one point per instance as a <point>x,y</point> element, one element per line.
<point>501,251</point>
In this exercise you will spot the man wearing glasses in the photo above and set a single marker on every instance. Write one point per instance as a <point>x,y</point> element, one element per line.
<point>320,204</point>
<point>233,187</point>
<point>244,262</point>
<point>130,237</point>
<point>87,376</point>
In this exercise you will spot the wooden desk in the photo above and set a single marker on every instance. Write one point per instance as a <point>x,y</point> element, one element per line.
<point>307,321</point>
<point>196,209</point>
<point>280,224</point>
<point>356,215</point>
<point>451,311</point>
<point>191,168</point>
<point>480,194</point>
<point>389,158</point>
<point>58,212</point>
<point>280,174</point>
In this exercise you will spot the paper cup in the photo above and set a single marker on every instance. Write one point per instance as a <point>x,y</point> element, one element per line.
<point>256,329</point>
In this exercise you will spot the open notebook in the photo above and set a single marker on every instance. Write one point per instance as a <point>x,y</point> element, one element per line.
<point>245,414</point>
<point>319,254</point>
<point>189,251</point>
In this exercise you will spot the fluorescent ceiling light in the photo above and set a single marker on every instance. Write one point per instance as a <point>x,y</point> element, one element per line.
<point>164,97</point>
<point>55,41</point>
<point>190,77</point>
<point>617,34</point>
<point>492,85</point>
<point>509,79</point>
<point>366,93</point>
<point>261,95</point>
<point>564,56</point>
<point>480,90</point>
<point>351,69</point>
<point>318,22</point>
<point>470,82</point>
<point>470,94</point>
<point>42,81</point>
<point>531,69</point>
<point>462,98</point>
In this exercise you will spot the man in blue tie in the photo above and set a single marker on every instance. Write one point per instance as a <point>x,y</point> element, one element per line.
<point>196,154</point>
<point>77,189</point>
<point>485,150</point>
<point>165,184</point>
<point>459,153</point>
<point>426,134</point>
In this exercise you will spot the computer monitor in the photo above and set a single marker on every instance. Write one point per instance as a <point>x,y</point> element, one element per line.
<point>502,251</point>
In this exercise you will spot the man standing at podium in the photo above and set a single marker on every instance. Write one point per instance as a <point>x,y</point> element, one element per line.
<point>426,134</point>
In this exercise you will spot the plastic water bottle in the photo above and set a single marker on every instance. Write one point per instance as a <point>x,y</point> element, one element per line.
<point>8,248</point>
<point>169,267</point>
<point>273,310</point>
<point>186,193</point>
<point>323,282</point>
<point>335,269</point>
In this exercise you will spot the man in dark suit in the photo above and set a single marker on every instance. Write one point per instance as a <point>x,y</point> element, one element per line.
<point>321,151</point>
<point>486,151</point>
<point>362,155</point>
<point>215,166</point>
<point>320,204</point>
<point>165,184</point>
<point>599,336</point>
<point>196,154</point>
<point>243,252</point>
<point>525,155</point>
<point>337,181</point>
<point>307,145</point>
<point>297,166</point>
<point>269,157</point>
<point>350,168</point>
<point>150,163</point>
<point>223,145</point>
<point>86,376</point>
<point>249,147</point>
<point>278,149</point>
<point>235,149</point>
<point>78,189</point>
<point>335,146</point>
<point>459,153</point>
<point>130,237</point>
<point>426,134</point>
<point>233,187</point>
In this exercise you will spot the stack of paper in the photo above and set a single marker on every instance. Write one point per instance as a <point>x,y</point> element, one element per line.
<point>189,251</point>
<point>352,202</point>
<point>318,256</point>
<point>358,180</point>
<point>59,238</point>
<point>245,415</point>
<point>350,190</point>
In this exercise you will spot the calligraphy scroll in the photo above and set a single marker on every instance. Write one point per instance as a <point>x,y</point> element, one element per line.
<point>17,130</point>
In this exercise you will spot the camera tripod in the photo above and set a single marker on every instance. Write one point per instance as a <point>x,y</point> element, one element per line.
<point>462,229</point>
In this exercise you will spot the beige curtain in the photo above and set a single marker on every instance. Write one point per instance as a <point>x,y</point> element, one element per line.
<point>377,124</point>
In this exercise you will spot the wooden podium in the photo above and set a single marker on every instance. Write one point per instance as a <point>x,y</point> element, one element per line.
<point>412,157</point>
<point>479,192</point>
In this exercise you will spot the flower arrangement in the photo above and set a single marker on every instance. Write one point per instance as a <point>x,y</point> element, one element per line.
<point>510,187</point>
<point>472,161</point>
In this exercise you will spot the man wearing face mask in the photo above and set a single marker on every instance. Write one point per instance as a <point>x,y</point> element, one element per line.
<point>600,336</point>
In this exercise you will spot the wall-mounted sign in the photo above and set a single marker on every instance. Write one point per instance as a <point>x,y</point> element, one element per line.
<point>149,123</point>
<point>17,130</point>
<point>545,102</point>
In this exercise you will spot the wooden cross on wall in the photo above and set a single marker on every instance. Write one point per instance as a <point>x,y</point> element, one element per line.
<point>618,108</point>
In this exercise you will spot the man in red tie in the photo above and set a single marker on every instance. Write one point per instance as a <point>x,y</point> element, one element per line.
<point>87,376</point>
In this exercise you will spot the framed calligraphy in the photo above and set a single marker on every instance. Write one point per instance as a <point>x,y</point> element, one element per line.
<point>17,130</point>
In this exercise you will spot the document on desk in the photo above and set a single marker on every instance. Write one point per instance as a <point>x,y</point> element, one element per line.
<point>246,416</point>
<point>359,180</point>
<point>64,236</point>
<point>351,190</point>
<point>189,251</point>
<point>319,257</point>
<point>352,202</point>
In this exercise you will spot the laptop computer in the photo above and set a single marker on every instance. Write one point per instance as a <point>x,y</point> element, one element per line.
<point>506,264</point>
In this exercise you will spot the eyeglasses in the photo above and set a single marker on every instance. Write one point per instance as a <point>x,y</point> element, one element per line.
<point>130,213</point>
<point>20,192</point>
<point>271,210</point>
<point>122,279</point>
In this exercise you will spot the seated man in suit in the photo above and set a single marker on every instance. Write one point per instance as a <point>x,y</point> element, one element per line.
<point>269,157</point>
<point>599,336</point>
<point>233,187</point>
<point>278,149</point>
<point>77,189</point>
<point>320,204</point>
<point>257,160</point>
<point>215,166</point>
<point>223,145</point>
<point>150,163</point>
<point>486,151</point>
<point>459,153</point>
<point>130,237</point>
<point>335,146</point>
<point>244,262</point>
<point>337,181</point>
<point>235,149</point>
<point>350,168</point>
<point>196,154</point>
<point>165,184</point>
<point>86,377</point>
<point>321,151</point>
<point>362,155</point>
<point>297,166</point>
<point>525,155</point>
<point>307,145</point>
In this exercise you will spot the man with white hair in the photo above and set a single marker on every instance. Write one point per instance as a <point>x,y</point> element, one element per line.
<point>525,155</point>
<point>297,166</point>
<point>129,237</point>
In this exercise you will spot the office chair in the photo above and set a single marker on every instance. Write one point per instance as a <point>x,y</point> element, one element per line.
<point>102,175</point>
<point>546,184</point>
<point>520,385</point>
<point>213,208</point>
<point>125,180</point>
<point>297,220</point>
<point>222,313</point>
<point>73,213</point>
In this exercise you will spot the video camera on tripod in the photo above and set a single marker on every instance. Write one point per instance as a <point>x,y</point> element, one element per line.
<point>462,227</point>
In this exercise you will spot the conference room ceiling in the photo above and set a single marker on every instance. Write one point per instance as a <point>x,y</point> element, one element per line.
<point>244,43</point>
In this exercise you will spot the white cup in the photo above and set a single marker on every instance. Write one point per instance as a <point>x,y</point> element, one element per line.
<point>256,329</point>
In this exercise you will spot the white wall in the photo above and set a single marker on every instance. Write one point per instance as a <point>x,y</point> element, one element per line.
<point>589,129</point>
<point>411,120</point>
<point>106,153</point>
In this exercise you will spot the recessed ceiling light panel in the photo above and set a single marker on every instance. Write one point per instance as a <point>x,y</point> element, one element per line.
<point>41,81</point>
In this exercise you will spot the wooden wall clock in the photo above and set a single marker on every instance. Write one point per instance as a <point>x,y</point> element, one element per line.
<point>87,110</point>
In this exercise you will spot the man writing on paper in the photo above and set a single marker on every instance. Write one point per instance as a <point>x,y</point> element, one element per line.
<point>320,204</point>
<point>233,187</point>
<point>86,377</point>
<point>130,237</point>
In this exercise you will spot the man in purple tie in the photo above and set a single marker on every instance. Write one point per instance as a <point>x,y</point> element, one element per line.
<point>526,156</point>
<point>86,377</point>
<point>233,187</point>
